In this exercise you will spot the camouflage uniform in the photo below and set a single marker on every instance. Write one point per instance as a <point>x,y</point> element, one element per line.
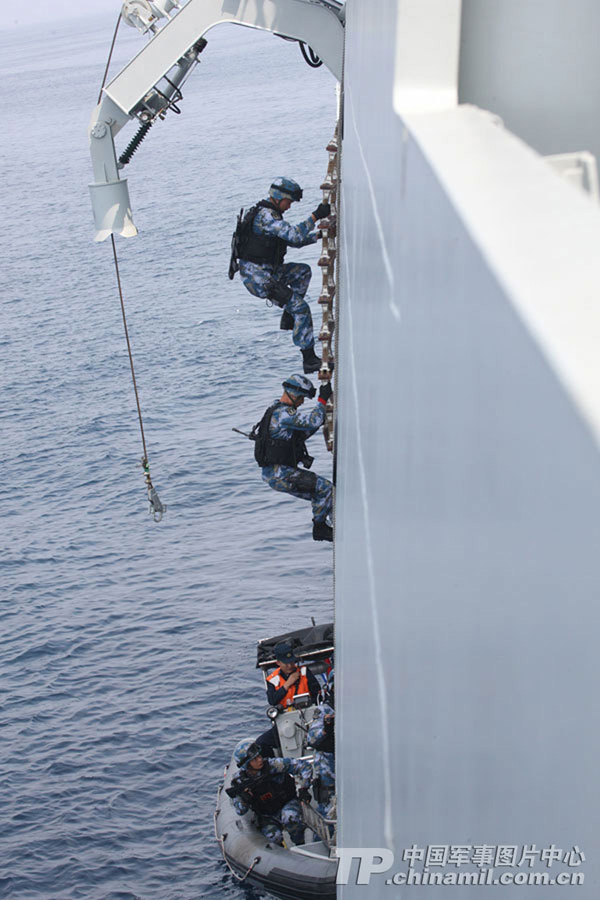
<point>316,729</point>
<point>297,276</point>
<point>284,422</point>
<point>290,815</point>
<point>324,770</point>
<point>323,763</point>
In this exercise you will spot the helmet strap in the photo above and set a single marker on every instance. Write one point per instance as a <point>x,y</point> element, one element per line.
<point>293,398</point>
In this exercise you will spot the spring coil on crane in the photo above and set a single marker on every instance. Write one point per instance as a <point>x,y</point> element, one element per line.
<point>135,142</point>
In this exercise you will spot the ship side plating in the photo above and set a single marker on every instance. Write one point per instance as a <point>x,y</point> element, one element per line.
<point>468,464</point>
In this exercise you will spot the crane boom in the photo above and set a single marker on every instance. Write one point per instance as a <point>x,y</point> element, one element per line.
<point>149,84</point>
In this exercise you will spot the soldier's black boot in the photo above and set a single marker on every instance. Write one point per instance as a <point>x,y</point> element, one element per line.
<point>287,321</point>
<point>311,362</point>
<point>322,531</point>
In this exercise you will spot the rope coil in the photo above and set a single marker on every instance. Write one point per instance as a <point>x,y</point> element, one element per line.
<point>310,56</point>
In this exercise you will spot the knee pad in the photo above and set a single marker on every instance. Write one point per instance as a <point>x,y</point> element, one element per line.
<point>279,293</point>
<point>305,482</point>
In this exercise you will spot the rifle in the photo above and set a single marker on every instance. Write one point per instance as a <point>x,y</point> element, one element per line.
<point>251,437</point>
<point>239,786</point>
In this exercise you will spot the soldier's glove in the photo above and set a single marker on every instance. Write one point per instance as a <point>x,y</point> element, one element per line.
<point>304,795</point>
<point>322,211</point>
<point>325,391</point>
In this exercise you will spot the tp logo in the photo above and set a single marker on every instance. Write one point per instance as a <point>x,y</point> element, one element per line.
<point>372,860</point>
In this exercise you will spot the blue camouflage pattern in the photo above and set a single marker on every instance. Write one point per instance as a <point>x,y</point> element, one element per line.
<point>257,278</point>
<point>324,769</point>
<point>284,422</point>
<point>326,697</point>
<point>316,729</point>
<point>289,816</point>
<point>285,187</point>
<point>285,479</point>
<point>323,763</point>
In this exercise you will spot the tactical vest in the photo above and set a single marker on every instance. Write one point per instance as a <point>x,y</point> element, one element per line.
<point>267,797</point>
<point>269,451</point>
<point>265,249</point>
<point>300,687</point>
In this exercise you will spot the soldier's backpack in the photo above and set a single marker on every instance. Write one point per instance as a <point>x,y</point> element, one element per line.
<point>265,249</point>
<point>240,238</point>
<point>269,451</point>
<point>260,436</point>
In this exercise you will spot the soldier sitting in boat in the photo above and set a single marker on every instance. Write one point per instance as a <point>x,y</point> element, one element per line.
<point>322,739</point>
<point>267,787</point>
<point>259,245</point>
<point>285,685</point>
<point>280,447</point>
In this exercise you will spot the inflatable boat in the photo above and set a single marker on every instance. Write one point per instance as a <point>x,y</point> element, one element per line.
<point>291,872</point>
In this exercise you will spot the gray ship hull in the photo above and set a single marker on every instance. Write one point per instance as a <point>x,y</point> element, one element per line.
<point>468,480</point>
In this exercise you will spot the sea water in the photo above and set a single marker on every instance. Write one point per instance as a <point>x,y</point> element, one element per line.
<point>127,659</point>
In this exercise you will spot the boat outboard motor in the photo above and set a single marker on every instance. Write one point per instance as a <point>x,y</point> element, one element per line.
<point>290,729</point>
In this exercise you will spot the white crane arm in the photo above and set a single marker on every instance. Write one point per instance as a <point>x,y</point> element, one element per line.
<point>149,84</point>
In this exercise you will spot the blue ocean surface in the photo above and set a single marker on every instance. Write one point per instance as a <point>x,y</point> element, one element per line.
<point>127,660</point>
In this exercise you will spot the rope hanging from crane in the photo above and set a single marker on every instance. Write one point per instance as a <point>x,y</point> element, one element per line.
<point>110,53</point>
<point>157,508</point>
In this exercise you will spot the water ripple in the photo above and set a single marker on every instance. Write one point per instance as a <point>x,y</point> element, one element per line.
<point>126,662</point>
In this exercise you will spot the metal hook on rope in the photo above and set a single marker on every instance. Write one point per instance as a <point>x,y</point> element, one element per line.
<point>157,507</point>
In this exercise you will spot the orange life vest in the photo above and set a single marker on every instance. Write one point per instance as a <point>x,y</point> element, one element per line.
<point>300,687</point>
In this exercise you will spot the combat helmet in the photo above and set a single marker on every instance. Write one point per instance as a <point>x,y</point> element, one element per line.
<point>245,751</point>
<point>285,187</point>
<point>299,386</point>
